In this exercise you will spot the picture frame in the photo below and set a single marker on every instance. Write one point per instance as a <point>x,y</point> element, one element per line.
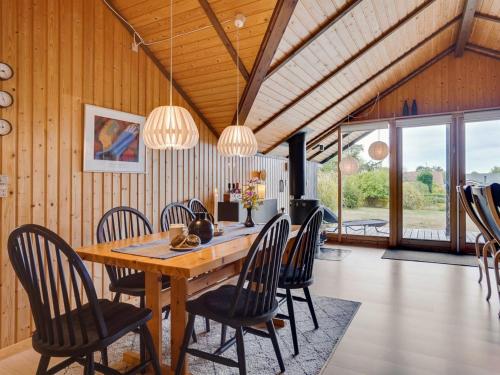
<point>113,141</point>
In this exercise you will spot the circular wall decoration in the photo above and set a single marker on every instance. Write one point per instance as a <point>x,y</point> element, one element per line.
<point>6,71</point>
<point>6,99</point>
<point>5,127</point>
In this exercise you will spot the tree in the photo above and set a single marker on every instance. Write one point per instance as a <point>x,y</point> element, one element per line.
<point>495,169</point>
<point>425,177</point>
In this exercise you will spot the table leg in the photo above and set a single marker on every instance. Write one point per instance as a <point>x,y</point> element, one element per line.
<point>178,318</point>
<point>153,293</point>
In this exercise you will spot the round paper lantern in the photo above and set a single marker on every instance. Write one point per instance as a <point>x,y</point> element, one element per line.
<point>378,150</point>
<point>348,165</point>
<point>170,127</point>
<point>237,140</point>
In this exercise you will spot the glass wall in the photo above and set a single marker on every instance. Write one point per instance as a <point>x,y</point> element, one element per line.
<point>328,190</point>
<point>482,159</point>
<point>365,189</point>
<point>425,187</point>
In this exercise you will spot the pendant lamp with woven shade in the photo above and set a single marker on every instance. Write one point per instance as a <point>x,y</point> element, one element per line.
<point>237,140</point>
<point>170,126</point>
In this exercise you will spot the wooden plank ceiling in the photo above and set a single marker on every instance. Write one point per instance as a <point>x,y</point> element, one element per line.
<point>333,59</point>
<point>203,65</point>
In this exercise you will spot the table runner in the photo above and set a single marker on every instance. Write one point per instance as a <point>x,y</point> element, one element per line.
<point>160,249</point>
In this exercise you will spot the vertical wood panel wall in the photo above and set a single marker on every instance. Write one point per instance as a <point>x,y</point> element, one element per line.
<point>66,53</point>
<point>452,84</point>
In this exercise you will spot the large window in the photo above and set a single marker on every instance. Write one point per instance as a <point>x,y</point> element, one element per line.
<point>328,190</point>
<point>482,157</point>
<point>425,174</point>
<point>365,190</point>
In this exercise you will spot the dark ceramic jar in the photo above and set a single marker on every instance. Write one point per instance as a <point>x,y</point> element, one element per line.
<point>202,227</point>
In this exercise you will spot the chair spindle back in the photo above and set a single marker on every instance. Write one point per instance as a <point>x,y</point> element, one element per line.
<point>56,282</point>
<point>175,213</point>
<point>300,262</point>
<point>196,206</point>
<point>258,280</point>
<point>121,223</point>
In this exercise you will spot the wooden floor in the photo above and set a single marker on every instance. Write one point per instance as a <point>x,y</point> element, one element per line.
<point>415,318</point>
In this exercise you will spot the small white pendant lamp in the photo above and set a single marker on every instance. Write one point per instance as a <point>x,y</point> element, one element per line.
<point>170,126</point>
<point>378,150</point>
<point>348,165</point>
<point>237,140</point>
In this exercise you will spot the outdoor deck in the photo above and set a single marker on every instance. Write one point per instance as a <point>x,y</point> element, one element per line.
<point>409,233</point>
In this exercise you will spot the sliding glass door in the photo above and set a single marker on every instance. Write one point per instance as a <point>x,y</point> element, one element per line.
<point>408,198</point>
<point>365,189</point>
<point>482,156</point>
<point>425,201</point>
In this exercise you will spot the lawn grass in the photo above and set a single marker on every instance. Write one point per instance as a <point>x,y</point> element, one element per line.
<point>412,219</point>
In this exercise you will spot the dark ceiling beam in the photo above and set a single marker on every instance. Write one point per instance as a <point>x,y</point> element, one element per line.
<point>315,35</point>
<point>275,30</point>
<point>487,17</point>
<point>484,51</point>
<point>346,63</point>
<point>224,38</point>
<point>325,148</point>
<point>465,30</point>
<point>344,147</point>
<point>383,94</point>
<point>365,82</point>
<point>165,72</point>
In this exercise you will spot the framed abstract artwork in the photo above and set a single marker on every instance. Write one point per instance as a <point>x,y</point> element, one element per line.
<point>113,141</point>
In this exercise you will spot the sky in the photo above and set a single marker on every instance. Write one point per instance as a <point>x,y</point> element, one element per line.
<point>425,146</point>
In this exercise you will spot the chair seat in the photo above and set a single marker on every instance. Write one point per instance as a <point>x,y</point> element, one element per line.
<point>216,305</point>
<point>119,318</point>
<point>134,284</point>
<point>286,279</point>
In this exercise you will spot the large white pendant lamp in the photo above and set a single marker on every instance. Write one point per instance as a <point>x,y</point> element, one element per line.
<point>237,140</point>
<point>170,126</point>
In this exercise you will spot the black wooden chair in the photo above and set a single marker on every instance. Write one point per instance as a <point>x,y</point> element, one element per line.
<point>469,205</point>
<point>252,301</point>
<point>70,321</point>
<point>487,199</point>
<point>196,206</point>
<point>297,272</point>
<point>117,224</point>
<point>175,213</point>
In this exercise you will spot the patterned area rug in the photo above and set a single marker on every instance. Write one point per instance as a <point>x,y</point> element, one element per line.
<point>316,346</point>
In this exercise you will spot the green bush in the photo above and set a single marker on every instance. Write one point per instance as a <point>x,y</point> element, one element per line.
<point>374,187</point>
<point>328,189</point>
<point>352,194</point>
<point>413,196</point>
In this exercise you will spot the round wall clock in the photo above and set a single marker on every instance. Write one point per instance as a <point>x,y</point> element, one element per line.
<point>6,99</point>
<point>5,127</point>
<point>6,71</point>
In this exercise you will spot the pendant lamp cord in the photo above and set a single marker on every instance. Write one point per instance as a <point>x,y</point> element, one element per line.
<point>378,115</point>
<point>171,48</point>
<point>237,75</point>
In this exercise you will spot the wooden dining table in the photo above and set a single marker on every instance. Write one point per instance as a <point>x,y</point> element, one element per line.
<point>190,273</point>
